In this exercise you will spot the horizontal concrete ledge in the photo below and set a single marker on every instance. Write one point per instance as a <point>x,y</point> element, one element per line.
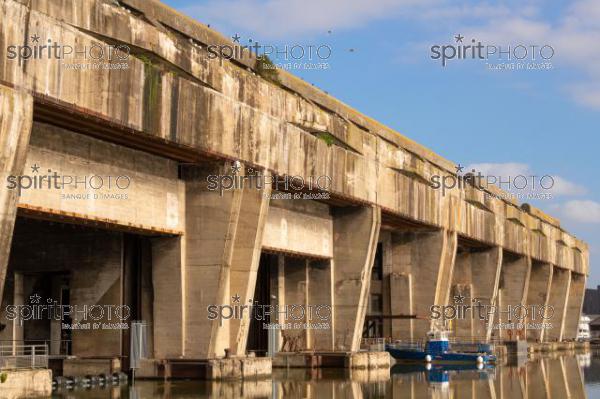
<point>26,384</point>
<point>80,367</point>
<point>232,368</point>
<point>349,360</point>
<point>52,215</point>
<point>559,346</point>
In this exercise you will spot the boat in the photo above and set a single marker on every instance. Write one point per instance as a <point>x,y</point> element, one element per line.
<point>437,351</point>
<point>583,330</point>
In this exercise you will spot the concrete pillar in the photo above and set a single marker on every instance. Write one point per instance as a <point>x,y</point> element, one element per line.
<point>559,295</point>
<point>320,292</point>
<point>295,287</point>
<point>512,294</point>
<point>246,258</point>
<point>168,268</point>
<point>486,265</point>
<point>538,294</point>
<point>475,285</point>
<point>18,300</point>
<point>422,265</point>
<point>355,232</point>
<point>16,113</point>
<point>461,294</point>
<point>574,304</point>
<point>223,240</point>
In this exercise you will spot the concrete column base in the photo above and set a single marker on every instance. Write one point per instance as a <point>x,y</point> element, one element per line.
<point>349,360</point>
<point>27,383</point>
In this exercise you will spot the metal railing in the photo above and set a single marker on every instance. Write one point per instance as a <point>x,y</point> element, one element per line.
<point>378,344</point>
<point>458,344</point>
<point>14,357</point>
<point>56,347</point>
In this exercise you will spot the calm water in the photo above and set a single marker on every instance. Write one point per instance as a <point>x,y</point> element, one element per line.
<point>556,376</point>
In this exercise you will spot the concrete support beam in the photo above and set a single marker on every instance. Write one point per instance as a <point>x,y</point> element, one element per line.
<point>486,266</point>
<point>246,257</point>
<point>559,296</point>
<point>295,287</point>
<point>168,267</point>
<point>16,113</point>
<point>355,232</point>
<point>512,293</point>
<point>320,292</point>
<point>475,281</point>
<point>223,241</point>
<point>574,304</point>
<point>538,295</point>
<point>422,266</point>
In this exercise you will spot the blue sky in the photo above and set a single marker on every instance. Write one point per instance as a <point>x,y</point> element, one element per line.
<point>540,122</point>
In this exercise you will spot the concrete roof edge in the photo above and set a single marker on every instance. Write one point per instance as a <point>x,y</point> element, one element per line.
<point>533,211</point>
<point>154,9</point>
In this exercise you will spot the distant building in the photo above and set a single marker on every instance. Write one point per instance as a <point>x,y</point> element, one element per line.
<point>591,301</point>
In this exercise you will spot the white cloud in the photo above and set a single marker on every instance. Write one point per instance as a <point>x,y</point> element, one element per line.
<point>509,171</point>
<point>582,211</point>
<point>279,18</point>
<point>574,36</point>
<point>574,33</point>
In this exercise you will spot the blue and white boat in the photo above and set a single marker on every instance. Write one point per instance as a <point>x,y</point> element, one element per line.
<point>437,351</point>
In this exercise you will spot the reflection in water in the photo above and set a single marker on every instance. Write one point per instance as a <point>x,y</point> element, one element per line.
<point>555,376</point>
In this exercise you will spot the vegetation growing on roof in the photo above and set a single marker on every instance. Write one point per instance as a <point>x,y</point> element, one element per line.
<point>266,68</point>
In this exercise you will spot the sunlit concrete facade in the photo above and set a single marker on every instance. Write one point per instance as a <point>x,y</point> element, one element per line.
<point>172,119</point>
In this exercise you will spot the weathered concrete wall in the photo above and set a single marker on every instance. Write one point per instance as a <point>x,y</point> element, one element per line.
<point>424,260</point>
<point>475,280</point>
<point>223,241</point>
<point>514,282</point>
<point>538,295</point>
<point>355,232</point>
<point>168,278</point>
<point>300,227</point>
<point>173,102</point>
<point>27,384</point>
<point>321,292</point>
<point>16,109</point>
<point>267,125</point>
<point>559,297</point>
<point>104,182</point>
<point>574,304</point>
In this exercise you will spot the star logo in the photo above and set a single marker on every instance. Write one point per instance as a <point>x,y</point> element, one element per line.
<point>236,38</point>
<point>35,168</point>
<point>235,167</point>
<point>459,298</point>
<point>35,298</point>
<point>459,38</point>
<point>236,298</point>
<point>459,168</point>
<point>35,38</point>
